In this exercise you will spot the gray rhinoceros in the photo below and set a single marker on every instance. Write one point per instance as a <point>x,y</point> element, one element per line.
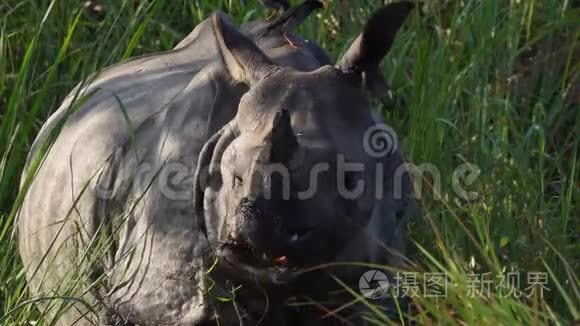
<point>210,184</point>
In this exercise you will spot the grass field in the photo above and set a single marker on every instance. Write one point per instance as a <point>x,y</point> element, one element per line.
<point>492,83</point>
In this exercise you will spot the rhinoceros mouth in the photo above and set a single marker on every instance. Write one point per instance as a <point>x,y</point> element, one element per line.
<point>240,256</point>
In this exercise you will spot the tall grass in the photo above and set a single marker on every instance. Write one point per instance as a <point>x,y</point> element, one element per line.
<point>493,83</point>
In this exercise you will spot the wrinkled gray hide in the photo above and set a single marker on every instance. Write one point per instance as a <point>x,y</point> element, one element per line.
<point>110,215</point>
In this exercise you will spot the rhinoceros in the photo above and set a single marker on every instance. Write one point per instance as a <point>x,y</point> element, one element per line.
<point>215,183</point>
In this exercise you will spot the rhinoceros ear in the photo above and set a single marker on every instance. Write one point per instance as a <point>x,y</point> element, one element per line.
<point>368,50</point>
<point>244,61</point>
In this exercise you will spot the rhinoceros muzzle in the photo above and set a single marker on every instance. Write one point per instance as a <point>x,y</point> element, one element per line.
<point>264,241</point>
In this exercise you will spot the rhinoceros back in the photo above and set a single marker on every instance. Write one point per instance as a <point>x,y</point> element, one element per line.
<point>136,116</point>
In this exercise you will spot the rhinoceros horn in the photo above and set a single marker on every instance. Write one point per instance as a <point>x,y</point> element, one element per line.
<point>284,141</point>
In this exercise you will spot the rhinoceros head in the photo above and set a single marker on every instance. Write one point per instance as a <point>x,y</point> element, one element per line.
<point>273,182</point>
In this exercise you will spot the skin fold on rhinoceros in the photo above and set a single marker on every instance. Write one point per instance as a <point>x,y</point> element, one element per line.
<point>180,191</point>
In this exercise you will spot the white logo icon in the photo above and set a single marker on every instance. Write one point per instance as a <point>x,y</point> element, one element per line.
<point>373,284</point>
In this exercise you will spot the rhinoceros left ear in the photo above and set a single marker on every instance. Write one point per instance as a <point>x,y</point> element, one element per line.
<point>368,50</point>
<point>244,61</point>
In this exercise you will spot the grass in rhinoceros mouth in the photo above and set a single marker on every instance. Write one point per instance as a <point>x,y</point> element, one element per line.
<point>491,83</point>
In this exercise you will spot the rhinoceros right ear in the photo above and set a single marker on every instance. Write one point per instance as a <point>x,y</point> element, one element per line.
<point>367,51</point>
<point>245,62</point>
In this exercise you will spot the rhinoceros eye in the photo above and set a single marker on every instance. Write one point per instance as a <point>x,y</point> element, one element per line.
<point>350,181</point>
<point>238,181</point>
